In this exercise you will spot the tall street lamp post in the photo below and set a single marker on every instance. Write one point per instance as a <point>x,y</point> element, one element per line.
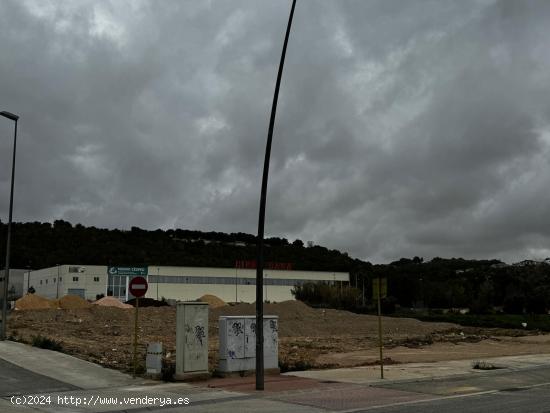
<point>15,118</point>
<point>261,222</point>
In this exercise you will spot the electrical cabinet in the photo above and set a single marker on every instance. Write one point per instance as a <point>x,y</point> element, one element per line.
<point>191,338</point>
<point>238,343</point>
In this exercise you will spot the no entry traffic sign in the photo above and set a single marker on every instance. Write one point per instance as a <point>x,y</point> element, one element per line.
<point>138,286</point>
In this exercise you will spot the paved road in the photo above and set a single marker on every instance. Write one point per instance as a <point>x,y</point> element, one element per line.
<point>502,391</point>
<point>534,400</point>
<point>505,379</point>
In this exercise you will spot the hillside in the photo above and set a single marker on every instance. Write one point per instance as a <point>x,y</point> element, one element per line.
<point>39,245</point>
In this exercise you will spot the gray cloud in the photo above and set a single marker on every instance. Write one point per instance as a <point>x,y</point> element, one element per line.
<point>403,128</point>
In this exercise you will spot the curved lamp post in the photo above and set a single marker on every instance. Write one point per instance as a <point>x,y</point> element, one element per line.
<point>261,222</point>
<point>15,118</point>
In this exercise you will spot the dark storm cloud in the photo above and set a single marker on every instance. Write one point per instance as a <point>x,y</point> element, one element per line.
<point>403,128</point>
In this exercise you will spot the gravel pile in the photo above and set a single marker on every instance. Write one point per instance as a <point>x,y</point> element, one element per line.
<point>213,301</point>
<point>34,302</point>
<point>111,302</point>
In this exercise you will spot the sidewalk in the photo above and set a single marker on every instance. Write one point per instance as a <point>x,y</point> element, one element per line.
<point>420,371</point>
<point>62,367</point>
<point>104,390</point>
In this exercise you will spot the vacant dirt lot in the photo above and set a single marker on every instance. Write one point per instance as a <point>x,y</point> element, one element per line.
<point>309,338</point>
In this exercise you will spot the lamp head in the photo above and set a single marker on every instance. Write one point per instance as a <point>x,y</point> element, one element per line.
<point>9,115</point>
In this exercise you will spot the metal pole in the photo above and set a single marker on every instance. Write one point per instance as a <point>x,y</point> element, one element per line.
<point>57,293</point>
<point>261,220</point>
<point>136,336</point>
<point>363,291</point>
<point>8,244</point>
<point>381,342</point>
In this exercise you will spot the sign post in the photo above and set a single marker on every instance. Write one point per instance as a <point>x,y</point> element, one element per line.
<point>138,287</point>
<point>379,291</point>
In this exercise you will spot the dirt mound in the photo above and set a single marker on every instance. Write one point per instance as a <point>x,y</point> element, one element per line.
<point>34,302</point>
<point>72,301</point>
<point>111,302</point>
<point>297,319</point>
<point>285,310</point>
<point>213,301</point>
<point>147,302</point>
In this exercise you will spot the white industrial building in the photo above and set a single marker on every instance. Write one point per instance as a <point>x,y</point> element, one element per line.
<point>177,283</point>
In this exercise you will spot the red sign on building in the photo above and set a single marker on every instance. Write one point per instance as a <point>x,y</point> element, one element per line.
<point>251,264</point>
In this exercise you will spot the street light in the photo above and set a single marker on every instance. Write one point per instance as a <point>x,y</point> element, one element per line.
<point>15,118</point>
<point>261,221</point>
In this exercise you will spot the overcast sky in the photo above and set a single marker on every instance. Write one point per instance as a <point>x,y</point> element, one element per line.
<point>404,127</point>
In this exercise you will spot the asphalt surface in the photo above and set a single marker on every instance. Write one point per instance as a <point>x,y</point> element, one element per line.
<point>502,379</point>
<point>502,391</point>
<point>534,400</point>
<point>15,380</point>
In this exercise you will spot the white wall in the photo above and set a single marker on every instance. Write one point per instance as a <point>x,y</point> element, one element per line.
<point>228,292</point>
<point>45,280</point>
<point>191,292</point>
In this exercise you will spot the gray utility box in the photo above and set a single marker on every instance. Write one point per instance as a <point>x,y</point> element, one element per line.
<point>191,340</point>
<point>238,343</point>
<point>153,360</point>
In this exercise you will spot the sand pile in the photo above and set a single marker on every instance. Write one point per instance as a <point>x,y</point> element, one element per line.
<point>213,301</point>
<point>111,302</point>
<point>72,301</point>
<point>34,302</point>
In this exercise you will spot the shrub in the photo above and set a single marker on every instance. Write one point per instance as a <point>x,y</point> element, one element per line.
<point>325,295</point>
<point>514,304</point>
<point>167,370</point>
<point>388,304</point>
<point>46,343</point>
<point>484,365</point>
<point>299,365</point>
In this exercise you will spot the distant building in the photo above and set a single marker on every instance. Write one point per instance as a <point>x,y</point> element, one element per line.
<point>527,263</point>
<point>15,287</point>
<point>178,283</point>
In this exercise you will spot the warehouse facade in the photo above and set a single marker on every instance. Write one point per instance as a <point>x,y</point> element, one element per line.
<point>177,283</point>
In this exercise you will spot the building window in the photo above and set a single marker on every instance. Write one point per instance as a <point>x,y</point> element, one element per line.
<point>46,281</point>
<point>60,279</point>
<point>96,279</point>
<point>40,282</point>
<point>75,279</point>
<point>54,280</point>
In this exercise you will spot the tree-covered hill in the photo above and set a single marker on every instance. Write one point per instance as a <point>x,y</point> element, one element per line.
<point>39,245</point>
